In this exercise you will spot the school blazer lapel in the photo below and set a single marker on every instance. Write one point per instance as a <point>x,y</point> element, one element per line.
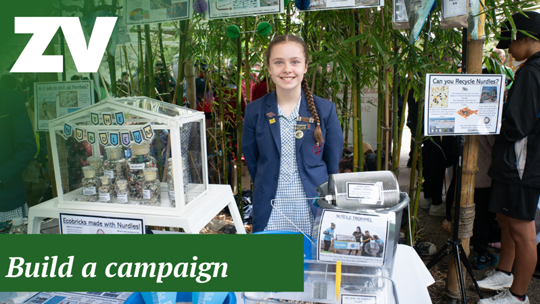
<point>271,107</point>
<point>303,112</point>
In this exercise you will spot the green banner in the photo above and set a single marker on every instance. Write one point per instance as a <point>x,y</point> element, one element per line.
<point>180,262</point>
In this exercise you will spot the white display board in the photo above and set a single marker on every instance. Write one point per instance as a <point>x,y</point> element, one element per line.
<point>319,5</point>
<point>220,9</point>
<point>463,104</point>
<point>56,99</point>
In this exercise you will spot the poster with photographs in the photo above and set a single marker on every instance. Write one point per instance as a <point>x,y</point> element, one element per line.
<point>352,238</point>
<point>156,11</point>
<point>220,9</point>
<point>463,104</point>
<point>319,5</point>
<point>56,99</point>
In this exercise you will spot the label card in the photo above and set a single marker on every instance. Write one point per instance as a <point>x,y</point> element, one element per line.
<point>358,299</point>
<point>91,137</point>
<point>371,192</point>
<point>94,117</point>
<point>119,118</point>
<point>79,134</point>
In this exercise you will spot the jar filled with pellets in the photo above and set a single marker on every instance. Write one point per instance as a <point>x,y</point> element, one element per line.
<point>106,190</point>
<point>140,159</point>
<point>151,190</point>
<point>97,163</point>
<point>170,183</point>
<point>115,165</point>
<point>122,192</point>
<point>90,184</point>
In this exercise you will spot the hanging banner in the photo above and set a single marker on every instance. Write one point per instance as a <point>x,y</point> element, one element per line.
<point>220,9</point>
<point>119,118</point>
<point>148,132</point>
<point>320,5</point>
<point>417,12</point>
<point>56,99</point>
<point>94,117</point>
<point>91,137</point>
<point>114,138</point>
<point>104,138</point>
<point>67,129</point>
<point>79,134</point>
<point>107,119</point>
<point>157,11</point>
<point>137,136</point>
<point>463,104</point>
<point>125,138</point>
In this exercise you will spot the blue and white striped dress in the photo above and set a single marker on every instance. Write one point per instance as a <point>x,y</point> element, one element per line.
<point>290,204</point>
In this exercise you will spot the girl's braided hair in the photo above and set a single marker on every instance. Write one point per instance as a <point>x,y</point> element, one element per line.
<point>311,103</point>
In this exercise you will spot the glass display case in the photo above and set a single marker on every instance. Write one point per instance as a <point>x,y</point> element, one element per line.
<point>127,154</point>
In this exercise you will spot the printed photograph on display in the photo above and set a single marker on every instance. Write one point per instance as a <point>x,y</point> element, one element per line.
<point>68,99</point>
<point>152,11</point>
<point>47,109</point>
<point>489,95</point>
<point>442,125</point>
<point>219,9</point>
<point>439,97</point>
<point>352,238</point>
<point>345,4</point>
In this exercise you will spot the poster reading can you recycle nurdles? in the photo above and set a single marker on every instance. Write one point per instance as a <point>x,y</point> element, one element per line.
<point>155,11</point>
<point>56,99</point>
<point>219,9</point>
<point>463,104</point>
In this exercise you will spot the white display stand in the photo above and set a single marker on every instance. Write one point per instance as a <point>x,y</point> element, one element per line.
<point>192,220</point>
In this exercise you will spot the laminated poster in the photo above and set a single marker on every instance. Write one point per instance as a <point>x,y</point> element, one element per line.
<point>461,104</point>
<point>400,11</point>
<point>220,9</point>
<point>156,11</point>
<point>87,223</point>
<point>56,99</point>
<point>79,297</point>
<point>454,8</point>
<point>318,5</point>
<point>355,238</point>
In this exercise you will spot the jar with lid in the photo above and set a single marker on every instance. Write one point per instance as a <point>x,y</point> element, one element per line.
<point>18,226</point>
<point>170,184</point>
<point>151,190</point>
<point>121,189</point>
<point>105,190</point>
<point>97,163</point>
<point>115,164</point>
<point>140,159</point>
<point>90,184</point>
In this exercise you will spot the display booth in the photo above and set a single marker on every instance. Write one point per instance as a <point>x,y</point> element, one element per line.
<point>106,159</point>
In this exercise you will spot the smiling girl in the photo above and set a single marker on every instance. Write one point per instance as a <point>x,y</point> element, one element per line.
<point>292,141</point>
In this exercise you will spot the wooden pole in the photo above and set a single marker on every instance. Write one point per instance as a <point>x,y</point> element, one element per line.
<point>470,160</point>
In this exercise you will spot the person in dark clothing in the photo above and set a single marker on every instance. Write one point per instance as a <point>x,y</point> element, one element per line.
<point>515,166</point>
<point>18,150</point>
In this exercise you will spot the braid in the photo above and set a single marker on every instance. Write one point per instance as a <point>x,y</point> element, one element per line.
<point>311,105</point>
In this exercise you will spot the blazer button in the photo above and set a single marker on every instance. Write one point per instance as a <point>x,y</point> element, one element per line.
<point>275,177</point>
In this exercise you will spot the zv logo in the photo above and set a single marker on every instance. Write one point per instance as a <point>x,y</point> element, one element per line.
<point>87,59</point>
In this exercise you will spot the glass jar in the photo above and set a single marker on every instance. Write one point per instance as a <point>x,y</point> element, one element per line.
<point>18,226</point>
<point>170,184</point>
<point>140,159</point>
<point>105,190</point>
<point>151,190</point>
<point>97,163</point>
<point>90,184</point>
<point>122,191</point>
<point>115,165</point>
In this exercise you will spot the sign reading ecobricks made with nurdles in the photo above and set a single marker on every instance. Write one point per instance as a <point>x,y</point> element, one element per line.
<point>179,262</point>
<point>463,104</point>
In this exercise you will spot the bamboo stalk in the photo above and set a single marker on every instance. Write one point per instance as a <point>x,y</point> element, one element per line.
<point>239,124</point>
<point>224,152</point>
<point>165,68</point>
<point>141,62</point>
<point>395,118</point>
<point>129,71</point>
<point>402,123</point>
<point>380,107</point>
<point>149,62</point>
<point>386,118</point>
<point>357,158</point>
<point>184,25</point>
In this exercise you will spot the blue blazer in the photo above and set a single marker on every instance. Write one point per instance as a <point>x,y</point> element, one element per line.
<point>261,146</point>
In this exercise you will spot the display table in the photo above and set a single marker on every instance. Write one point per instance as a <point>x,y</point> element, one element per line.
<point>192,220</point>
<point>410,276</point>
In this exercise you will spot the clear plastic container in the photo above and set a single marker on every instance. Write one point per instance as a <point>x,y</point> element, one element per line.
<point>122,192</point>
<point>170,184</point>
<point>18,226</point>
<point>106,190</point>
<point>140,159</point>
<point>97,163</point>
<point>90,184</point>
<point>115,165</point>
<point>151,189</point>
